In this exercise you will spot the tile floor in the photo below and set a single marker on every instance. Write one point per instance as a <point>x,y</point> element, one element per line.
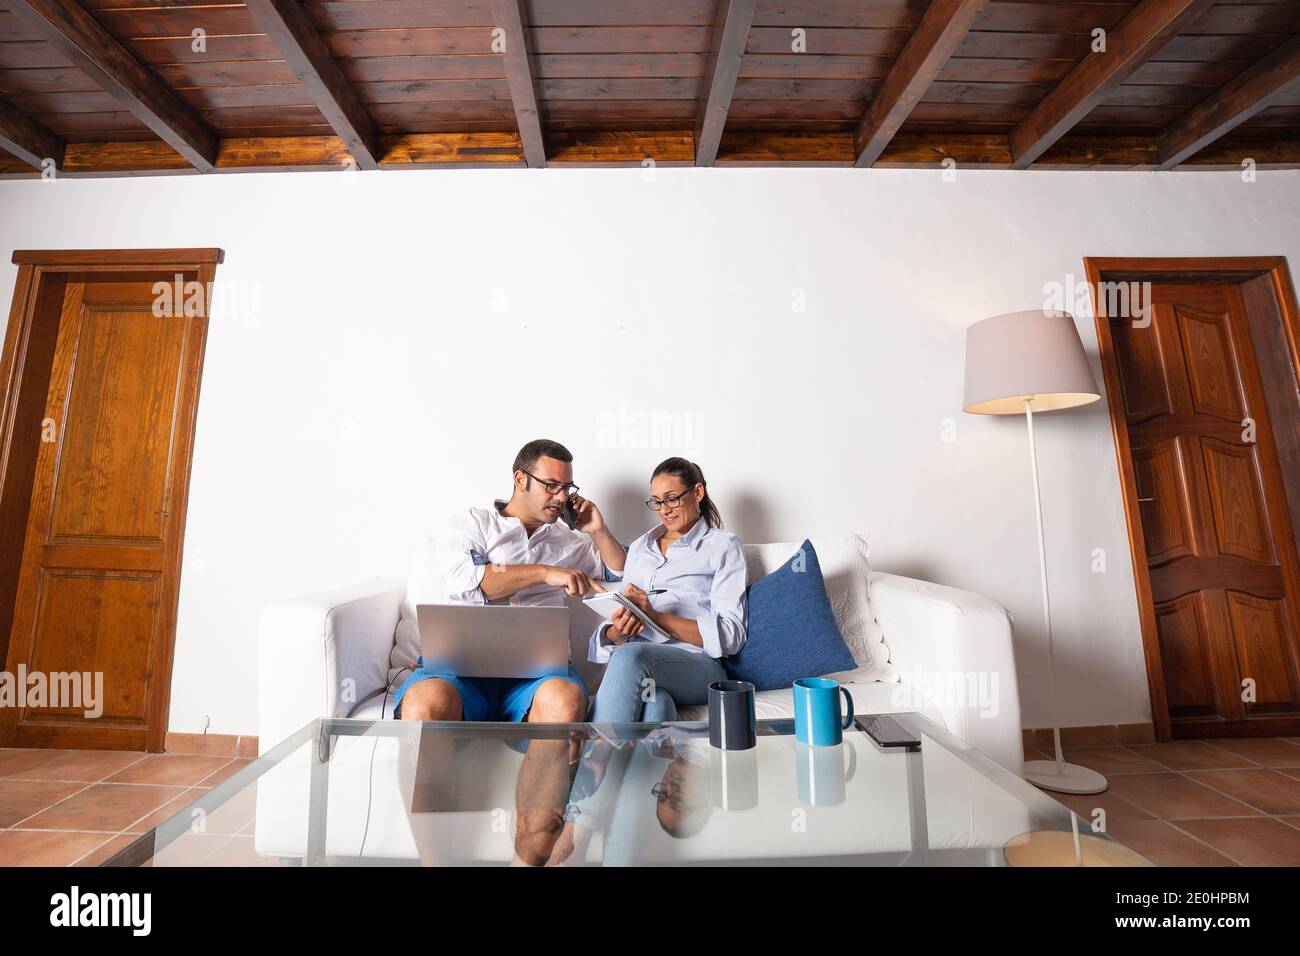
<point>1198,802</point>
<point>1187,803</point>
<point>79,807</point>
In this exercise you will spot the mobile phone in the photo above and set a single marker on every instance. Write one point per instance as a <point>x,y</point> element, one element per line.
<point>568,515</point>
<point>888,732</point>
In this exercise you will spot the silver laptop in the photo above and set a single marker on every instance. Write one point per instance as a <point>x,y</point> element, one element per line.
<point>494,641</point>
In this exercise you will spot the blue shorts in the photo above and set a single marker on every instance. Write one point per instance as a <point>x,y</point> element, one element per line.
<point>505,699</point>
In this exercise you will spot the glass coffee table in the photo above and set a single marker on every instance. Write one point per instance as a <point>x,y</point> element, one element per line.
<point>365,792</point>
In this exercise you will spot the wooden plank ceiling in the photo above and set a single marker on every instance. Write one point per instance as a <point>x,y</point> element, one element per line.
<point>120,87</point>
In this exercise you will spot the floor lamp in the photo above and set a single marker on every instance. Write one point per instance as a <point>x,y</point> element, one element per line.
<point>1019,364</point>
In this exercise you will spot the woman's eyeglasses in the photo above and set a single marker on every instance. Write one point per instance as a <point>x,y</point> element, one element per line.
<point>672,501</point>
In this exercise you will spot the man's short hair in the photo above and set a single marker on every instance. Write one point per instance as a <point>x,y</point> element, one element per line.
<point>526,460</point>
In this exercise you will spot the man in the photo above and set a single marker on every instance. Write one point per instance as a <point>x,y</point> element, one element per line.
<point>517,552</point>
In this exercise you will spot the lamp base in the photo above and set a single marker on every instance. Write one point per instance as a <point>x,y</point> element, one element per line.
<point>1063,848</point>
<point>1064,778</point>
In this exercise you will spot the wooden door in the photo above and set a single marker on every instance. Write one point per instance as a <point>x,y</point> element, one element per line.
<point>1218,537</point>
<point>101,557</point>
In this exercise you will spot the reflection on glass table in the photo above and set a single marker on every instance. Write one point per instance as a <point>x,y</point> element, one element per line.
<point>360,792</point>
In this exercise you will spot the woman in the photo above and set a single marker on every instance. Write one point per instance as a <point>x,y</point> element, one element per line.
<point>700,570</point>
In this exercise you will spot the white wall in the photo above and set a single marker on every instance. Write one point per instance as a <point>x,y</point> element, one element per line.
<point>411,330</point>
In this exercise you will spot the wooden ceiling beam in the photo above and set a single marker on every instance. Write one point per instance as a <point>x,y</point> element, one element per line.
<point>453,151</point>
<point>1231,153</point>
<point>618,148</point>
<point>296,154</point>
<point>606,149</point>
<point>1145,30</point>
<point>727,49</point>
<point>81,38</point>
<point>941,30</point>
<point>1259,87</point>
<point>993,151</point>
<point>11,167</point>
<point>292,31</point>
<point>512,17</point>
<point>27,139</point>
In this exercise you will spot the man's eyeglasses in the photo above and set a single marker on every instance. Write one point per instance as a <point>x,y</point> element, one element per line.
<point>672,501</point>
<point>553,487</point>
<point>674,797</point>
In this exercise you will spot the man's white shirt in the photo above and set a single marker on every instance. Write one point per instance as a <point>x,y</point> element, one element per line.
<point>450,566</point>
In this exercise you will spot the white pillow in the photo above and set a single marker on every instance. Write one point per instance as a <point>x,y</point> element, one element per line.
<point>846,567</point>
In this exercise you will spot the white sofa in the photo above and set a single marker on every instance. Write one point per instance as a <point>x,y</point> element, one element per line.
<point>919,646</point>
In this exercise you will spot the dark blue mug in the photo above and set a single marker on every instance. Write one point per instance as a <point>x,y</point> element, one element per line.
<point>731,715</point>
<point>817,720</point>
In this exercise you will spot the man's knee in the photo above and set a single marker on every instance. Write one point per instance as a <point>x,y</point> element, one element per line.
<point>558,701</point>
<point>432,699</point>
<point>535,835</point>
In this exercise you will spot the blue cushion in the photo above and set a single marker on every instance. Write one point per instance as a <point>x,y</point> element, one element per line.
<point>792,629</point>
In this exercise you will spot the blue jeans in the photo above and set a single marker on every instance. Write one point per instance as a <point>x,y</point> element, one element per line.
<point>679,677</point>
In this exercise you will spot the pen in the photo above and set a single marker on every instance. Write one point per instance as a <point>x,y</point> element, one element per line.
<point>648,593</point>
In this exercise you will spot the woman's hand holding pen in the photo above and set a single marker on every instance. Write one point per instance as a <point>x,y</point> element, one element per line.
<point>639,598</point>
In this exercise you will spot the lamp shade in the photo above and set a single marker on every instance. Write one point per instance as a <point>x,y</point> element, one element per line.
<point>1035,357</point>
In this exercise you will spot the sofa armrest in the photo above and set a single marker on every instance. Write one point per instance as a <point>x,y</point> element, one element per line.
<point>954,649</point>
<point>319,655</point>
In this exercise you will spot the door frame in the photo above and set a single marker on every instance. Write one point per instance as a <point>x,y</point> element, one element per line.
<point>1227,270</point>
<point>25,368</point>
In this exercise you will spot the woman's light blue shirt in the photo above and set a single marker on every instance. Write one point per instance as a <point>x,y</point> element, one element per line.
<point>704,577</point>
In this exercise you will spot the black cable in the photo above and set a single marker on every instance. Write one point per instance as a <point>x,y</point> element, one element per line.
<point>370,795</point>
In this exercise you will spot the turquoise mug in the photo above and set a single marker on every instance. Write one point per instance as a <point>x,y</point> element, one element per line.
<point>821,773</point>
<point>817,720</point>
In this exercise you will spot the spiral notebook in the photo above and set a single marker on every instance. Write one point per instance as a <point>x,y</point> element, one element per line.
<point>605,602</point>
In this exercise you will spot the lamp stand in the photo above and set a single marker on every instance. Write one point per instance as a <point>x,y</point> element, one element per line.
<point>1053,774</point>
